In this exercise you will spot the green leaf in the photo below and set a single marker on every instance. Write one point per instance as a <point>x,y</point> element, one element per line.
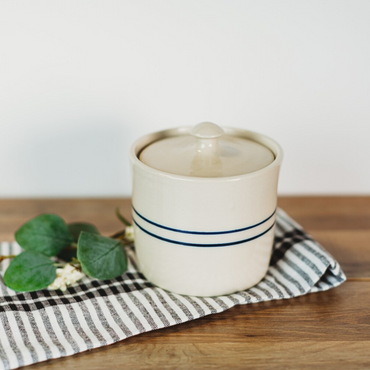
<point>30,271</point>
<point>100,257</point>
<point>47,234</point>
<point>75,229</point>
<point>121,218</point>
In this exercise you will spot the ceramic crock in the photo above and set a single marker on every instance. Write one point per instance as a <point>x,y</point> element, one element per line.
<point>203,206</point>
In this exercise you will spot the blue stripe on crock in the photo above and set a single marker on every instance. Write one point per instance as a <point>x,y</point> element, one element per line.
<point>202,232</point>
<point>203,245</point>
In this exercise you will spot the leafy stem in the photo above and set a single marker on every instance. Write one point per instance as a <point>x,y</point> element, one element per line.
<point>75,263</point>
<point>121,218</point>
<point>2,258</point>
<point>78,246</point>
<point>125,242</point>
<point>60,264</point>
<point>118,235</point>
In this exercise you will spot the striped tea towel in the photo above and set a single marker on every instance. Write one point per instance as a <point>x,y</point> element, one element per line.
<point>47,324</point>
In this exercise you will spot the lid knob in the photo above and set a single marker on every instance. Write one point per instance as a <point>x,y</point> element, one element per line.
<point>206,130</point>
<point>206,134</point>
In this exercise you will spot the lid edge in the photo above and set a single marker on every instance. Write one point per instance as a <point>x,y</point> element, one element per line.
<point>148,139</point>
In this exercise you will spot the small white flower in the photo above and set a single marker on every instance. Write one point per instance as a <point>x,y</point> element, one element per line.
<point>129,233</point>
<point>66,276</point>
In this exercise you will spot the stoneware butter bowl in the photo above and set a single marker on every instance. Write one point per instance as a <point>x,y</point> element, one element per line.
<point>204,204</point>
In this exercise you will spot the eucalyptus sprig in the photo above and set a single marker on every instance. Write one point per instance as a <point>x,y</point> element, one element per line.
<point>47,240</point>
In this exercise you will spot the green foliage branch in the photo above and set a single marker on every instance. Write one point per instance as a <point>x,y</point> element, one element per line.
<point>49,243</point>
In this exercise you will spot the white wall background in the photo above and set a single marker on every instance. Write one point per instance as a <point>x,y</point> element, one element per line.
<point>82,79</point>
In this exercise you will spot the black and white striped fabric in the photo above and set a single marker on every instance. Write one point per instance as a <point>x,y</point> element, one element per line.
<point>47,324</point>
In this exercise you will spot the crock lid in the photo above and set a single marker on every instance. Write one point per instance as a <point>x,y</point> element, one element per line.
<point>206,151</point>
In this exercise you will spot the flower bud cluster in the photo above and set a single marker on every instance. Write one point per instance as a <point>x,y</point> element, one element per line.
<point>129,233</point>
<point>66,276</point>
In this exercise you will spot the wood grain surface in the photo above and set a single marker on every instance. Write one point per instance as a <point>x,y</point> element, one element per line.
<point>329,329</point>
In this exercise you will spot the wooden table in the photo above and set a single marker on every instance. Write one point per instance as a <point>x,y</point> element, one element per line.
<point>329,329</point>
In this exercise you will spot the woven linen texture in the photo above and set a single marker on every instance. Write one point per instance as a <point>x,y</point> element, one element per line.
<point>42,325</point>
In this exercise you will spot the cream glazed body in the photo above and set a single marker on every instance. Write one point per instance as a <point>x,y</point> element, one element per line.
<point>204,236</point>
